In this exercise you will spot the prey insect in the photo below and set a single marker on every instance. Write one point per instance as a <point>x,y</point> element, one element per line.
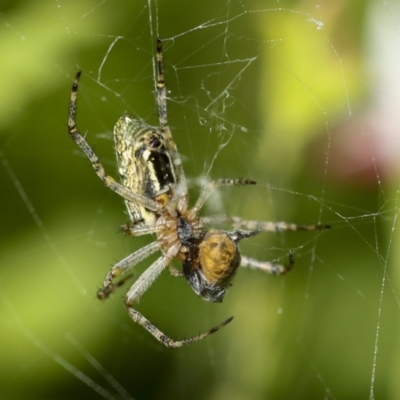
<point>153,185</point>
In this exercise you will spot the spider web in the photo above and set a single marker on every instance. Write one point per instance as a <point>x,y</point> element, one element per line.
<point>301,97</point>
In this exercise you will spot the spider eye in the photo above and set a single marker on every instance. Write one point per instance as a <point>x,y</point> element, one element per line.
<point>154,142</point>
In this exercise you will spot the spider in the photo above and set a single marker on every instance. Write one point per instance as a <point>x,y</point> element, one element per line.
<point>153,185</point>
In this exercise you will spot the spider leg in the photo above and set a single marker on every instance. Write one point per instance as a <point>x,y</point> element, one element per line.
<point>161,88</point>
<point>122,266</point>
<point>270,268</point>
<point>131,230</point>
<point>140,287</point>
<point>264,226</point>
<point>99,169</point>
<point>163,117</point>
<point>206,192</point>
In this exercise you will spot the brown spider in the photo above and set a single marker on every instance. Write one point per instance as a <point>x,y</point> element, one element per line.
<point>154,187</point>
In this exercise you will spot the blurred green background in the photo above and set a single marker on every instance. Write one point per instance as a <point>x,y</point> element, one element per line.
<point>267,90</point>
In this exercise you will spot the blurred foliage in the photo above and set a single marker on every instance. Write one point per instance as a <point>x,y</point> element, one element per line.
<point>253,86</point>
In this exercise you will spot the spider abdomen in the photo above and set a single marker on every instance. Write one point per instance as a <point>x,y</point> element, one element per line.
<point>145,164</point>
<point>219,257</point>
<point>211,263</point>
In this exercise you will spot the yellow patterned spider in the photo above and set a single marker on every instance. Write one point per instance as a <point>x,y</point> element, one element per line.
<point>154,188</point>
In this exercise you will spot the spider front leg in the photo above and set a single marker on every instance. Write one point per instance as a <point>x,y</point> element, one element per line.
<point>131,229</point>
<point>97,166</point>
<point>140,287</point>
<point>122,266</point>
<point>206,192</point>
